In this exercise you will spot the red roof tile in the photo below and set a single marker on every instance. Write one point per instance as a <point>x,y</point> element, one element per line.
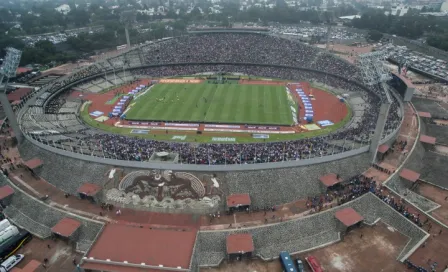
<point>240,243</point>
<point>21,70</point>
<point>383,148</point>
<point>424,114</point>
<point>66,227</point>
<point>33,163</point>
<point>6,191</point>
<point>427,139</point>
<point>348,217</point>
<point>136,245</point>
<point>89,189</point>
<point>105,267</point>
<point>409,175</point>
<point>238,200</point>
<point>329,180</point>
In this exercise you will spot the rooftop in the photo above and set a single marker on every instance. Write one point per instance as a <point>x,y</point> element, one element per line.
<point>66,227</point>
<point>329,180</point>
<point>348,217</point>
<point>124,245</point>
<point>427,139</point>
<point>89,189</point>
<point>238,200</point>
<point>424,114</point>
<point>240,243</point>
<point>383,148</point>
<point>6,191</point>
<point>409,175</point>
<point>33,163</point>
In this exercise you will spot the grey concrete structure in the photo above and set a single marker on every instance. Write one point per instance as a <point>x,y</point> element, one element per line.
<point>307,233</point>
<point>379,129</point>
<point>439,132</point>
<point>39,217</point>
<point>278,186</point>
<point>12,119</point>
<point>431,106</point>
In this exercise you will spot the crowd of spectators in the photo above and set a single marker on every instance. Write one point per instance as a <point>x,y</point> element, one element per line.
<point>128,148</point>
<point>245,48</point>
<point>251,48</point>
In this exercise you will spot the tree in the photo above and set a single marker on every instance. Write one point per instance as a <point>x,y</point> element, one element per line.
<point>7,41</point>
<point>45,46</point>
<point>374,35</point>
<point>79,17</point>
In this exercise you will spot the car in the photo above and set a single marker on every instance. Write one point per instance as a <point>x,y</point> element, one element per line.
<point>12,261</point>
<point>300,265</point>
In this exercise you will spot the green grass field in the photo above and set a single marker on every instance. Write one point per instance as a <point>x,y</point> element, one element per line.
<point>220,103</point>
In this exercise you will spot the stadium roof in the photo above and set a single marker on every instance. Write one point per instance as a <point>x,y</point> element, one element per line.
<point>348,217</point>
<point>89,189</point>
<point>424,114</point>
<point>409,175</point>
<point>33,163</point>
<point>66,227</point>
<point>6,191</point>
<point>329,180</point>
<point>427,139</point>
<point>240,243</point>
<point>383,148</point>
<point>125,246</point>
<point>105,267</point>
<point>238,200</point>
<point>350,17</point>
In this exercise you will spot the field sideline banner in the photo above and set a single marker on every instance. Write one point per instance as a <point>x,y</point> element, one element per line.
<point>179,80</point>
<point>252,131</point>
<point>263,128</point>
<point>260,136</point>
<point>158,128</point>
<point>139,131</point>
<point>145,123</point>
<point>178,137</point>
<point>181,125</point>
<point>223,139</point>
<point>221,126</point>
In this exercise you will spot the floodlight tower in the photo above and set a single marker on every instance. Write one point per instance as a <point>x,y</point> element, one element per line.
<point>128,18</point>
<point>375,74</point>
<point>8,70</point>
<point>329,16</point>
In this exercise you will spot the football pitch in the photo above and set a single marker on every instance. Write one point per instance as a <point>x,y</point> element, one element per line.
<point>214,103</point>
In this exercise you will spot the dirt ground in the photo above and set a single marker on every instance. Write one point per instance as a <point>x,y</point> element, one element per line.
<point>349,53</point>
<point>375,251</point>
<point>440,197</point>
<point>60,255</point>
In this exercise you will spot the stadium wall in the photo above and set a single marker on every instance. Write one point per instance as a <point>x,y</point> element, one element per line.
<point>193,167</point>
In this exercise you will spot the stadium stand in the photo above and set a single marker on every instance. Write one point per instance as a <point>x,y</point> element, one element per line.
<point>359,131</point>
<point>278,186</point>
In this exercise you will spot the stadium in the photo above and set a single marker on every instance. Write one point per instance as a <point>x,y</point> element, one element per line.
<point>193,153</point>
